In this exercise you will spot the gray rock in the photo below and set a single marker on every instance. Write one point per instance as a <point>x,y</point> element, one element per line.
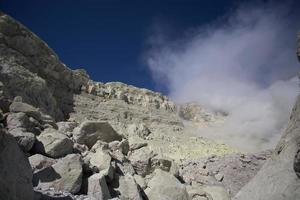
<point>53,144</point>
<point>122,146</point>
<point>17,120</point>
<point>39,162</point>
<point>232,171</point>
<point>30,69</point>
<point>65,175</point>
<point>165,186</point>
<point>127,188</point>
<point>17,106</point>
<point>140,130</point>
<point>216,192</point>
<point>25,139</point>
<point>100,161</point>
<point>97,187</point>
<point>89,132</point>
<point>141,160</point>
<point>66,127</point>
<point>15,173</point>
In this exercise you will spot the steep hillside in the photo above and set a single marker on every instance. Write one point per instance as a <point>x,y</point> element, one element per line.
<point>64,136</point>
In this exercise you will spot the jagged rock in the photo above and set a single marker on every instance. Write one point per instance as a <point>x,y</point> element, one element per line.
<point>141,160</point>
<point>136,146</point>
<point>66,127</point>
<point>122,146</point>
<point>29,68</point>
<point>124,167</point>
<point>277,178</point>
<point>39,162</point>
<point>140,181</point>
<point>80,148</point>
<point>130,95</point>
<point>54,144</point>
<point>165,186</point>
<point>29,110</point>
<point>126,187</point>
<point>216,192</point>
<point>64,175</point>
<point>207,192</point>
<point>100,161</point>
<point>97,187</point>
<point>25,139</point>
<point>89,132</point>
<point>140,130</point>
<point>15,173</point>
<point>197,193</point>
<point>232,171</point>
<point>18,120</point>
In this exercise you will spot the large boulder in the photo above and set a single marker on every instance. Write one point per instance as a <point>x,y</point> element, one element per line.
<point>89,132</point>
<point>97,187</point>
<point>39,162</point>
<point>65,175</point>
<point>277,179</point>
<point>15,173</point>
<point>29,110</point>
<point>141,160</point>
<point>165,186</point>
<point>126,187</point>
<point>99,160</point>
<point>25,139</point>
<point>53,143</point>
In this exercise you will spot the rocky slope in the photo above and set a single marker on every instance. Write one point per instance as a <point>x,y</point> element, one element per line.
<point>64,136</point>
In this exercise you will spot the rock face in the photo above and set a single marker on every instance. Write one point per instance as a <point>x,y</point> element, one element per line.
<point>29,68</point>
<point>15,173</point>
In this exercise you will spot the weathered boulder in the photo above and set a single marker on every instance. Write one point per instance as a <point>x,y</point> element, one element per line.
<point>29,110</point>
<point>126,187</point>
<point>15,173</point>
<point>65,175</point>
<point>100,161</point>
<point>39,162</point>
<point>53,143</point>
<point>277,179</point>
<point>25,139</point>
<point>66,127</point>
<point>97,187</point>
<point>89,132</point>
<point>165,186</point>
<point>141,160</point>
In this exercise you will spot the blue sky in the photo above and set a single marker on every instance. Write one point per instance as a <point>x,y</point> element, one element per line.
<point>108,38</point>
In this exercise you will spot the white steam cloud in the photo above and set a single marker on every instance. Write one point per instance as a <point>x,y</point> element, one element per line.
<point>244,64</point>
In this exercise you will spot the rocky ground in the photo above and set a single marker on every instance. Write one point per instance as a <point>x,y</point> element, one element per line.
<point>64,136</point>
